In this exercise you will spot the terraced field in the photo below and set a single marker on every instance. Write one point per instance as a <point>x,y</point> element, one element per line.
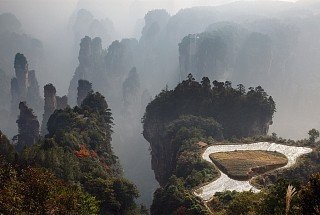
<point>243,165</point>
<point>224,182</point>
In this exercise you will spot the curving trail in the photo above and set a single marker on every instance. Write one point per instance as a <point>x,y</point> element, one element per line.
<point>225,183</point>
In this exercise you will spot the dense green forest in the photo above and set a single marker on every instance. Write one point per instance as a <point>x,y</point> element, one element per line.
<point>73,165</point>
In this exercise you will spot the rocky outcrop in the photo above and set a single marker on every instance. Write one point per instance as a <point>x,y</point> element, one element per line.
<point>21,71</point>
<point>28,127</point>
<point>131,89</point>
<point>105,69</point>
<point>120,59</point>
<point>91,65</point>
<point>84,87</point>
<point>24,87</point>
<point>85,24</point>
<point>50,105</point>
<point>33,95</point>
<point>163,154</point>
<point>62,102</point>
<point>155,22</point>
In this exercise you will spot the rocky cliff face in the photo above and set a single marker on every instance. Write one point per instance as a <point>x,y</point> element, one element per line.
<point>163,154</point>
<point>85,24</point>
<point>21,71</point>
<point>84,87</point>
<point>28,127</point>
<point>91,65</point>
<point>131,93</point>
<point>34,99</point>
<point>62,102</point>
<point>50,105</point>
<point>24,87</point>
<point>105,69</point>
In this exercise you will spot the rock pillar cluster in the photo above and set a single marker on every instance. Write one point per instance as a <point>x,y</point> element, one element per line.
<point>51,103</point>
<point>24,87</point>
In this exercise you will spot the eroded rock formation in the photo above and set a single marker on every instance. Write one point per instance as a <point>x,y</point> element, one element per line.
<point>131,88</point>
<point>85,24</point>
<point>24,87</point>
<point>21,71</point>
<point>84,87</point>
<point>50,104</point>
<point>91,65</point>
<point>105,69</point>
<point>62,102</point>
<point>33,95</point>
<point>28,127</point>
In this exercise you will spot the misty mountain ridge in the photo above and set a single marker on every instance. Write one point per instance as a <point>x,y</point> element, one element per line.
<point>151,91</point>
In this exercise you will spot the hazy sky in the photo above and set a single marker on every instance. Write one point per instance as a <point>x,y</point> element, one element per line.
<point>44,16</point>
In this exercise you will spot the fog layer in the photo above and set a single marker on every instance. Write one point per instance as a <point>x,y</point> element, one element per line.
<point>146,46</point>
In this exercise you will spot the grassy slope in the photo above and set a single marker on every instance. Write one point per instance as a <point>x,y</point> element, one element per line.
<point>242,165</point>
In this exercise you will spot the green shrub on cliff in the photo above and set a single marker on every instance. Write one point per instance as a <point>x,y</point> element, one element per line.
<point>174,198</point>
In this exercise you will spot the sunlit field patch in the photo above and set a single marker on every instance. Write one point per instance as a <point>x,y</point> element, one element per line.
<point>243,165</point>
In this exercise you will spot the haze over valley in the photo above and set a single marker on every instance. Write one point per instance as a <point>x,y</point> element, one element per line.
<point>115,101</point>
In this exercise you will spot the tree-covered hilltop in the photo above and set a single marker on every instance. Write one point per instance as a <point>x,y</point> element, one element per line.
<point>179,123</point>
<point>233,112</point>
<point>241,113</point>
<point>77,157</point>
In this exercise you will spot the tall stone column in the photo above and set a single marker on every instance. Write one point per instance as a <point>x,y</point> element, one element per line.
<point>50,105</point>
<point>21,70</point>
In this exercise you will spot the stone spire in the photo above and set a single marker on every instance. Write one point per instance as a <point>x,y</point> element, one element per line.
<point>50,104</point>
<point>34,99</point>
<point>84,87</point>
<point>24,87</point>
<point>91,65</point>
<point>21,71</point>
<point>28,127</point>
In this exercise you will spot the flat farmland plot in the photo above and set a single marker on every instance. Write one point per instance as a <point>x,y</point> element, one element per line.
<point>243,165</point>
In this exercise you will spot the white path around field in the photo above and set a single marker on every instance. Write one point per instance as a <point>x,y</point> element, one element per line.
<point>224,183</point>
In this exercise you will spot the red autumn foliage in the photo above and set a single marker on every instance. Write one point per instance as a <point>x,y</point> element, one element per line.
<point>83,152</point>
